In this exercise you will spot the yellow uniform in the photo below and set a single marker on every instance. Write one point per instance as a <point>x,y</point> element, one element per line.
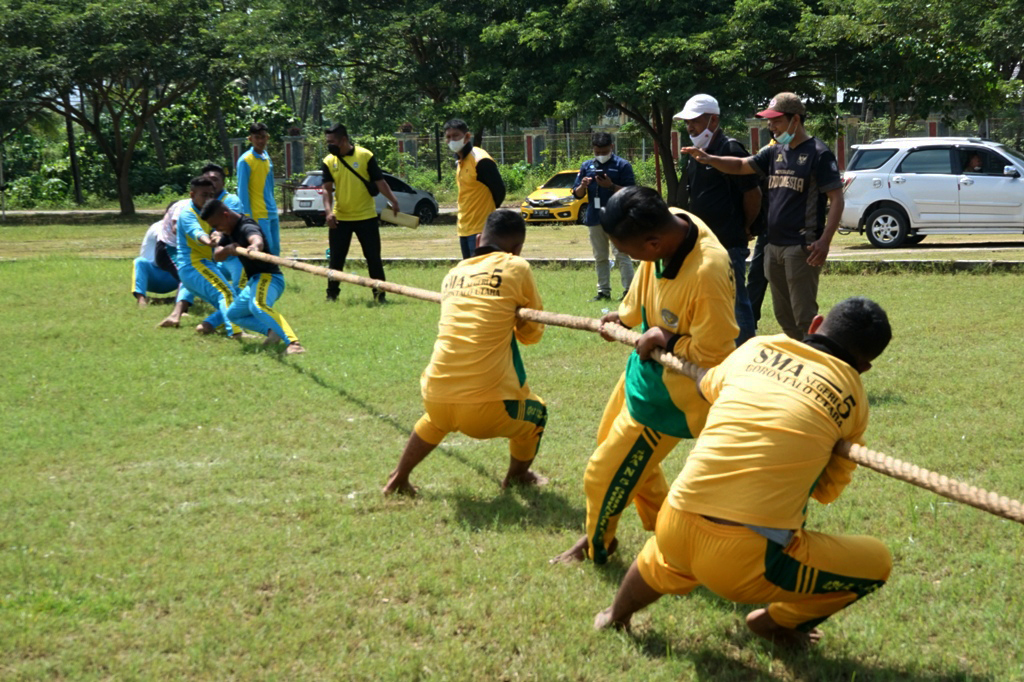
<point>352,201</point>
<point>651,409</point>
<point>779,407</point>
<point>477,198</point>
<point>475,382</point>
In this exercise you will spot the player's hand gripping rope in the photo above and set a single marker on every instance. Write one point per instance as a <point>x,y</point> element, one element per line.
<point>1000,505</point>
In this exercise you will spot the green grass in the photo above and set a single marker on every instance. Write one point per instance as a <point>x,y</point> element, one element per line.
<point>180,507</point>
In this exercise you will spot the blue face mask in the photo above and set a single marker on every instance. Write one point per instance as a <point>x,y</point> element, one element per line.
<point>785,137</point>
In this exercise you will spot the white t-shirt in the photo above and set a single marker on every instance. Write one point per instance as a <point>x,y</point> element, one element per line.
<point>148,249</point>
<point>169,231</point>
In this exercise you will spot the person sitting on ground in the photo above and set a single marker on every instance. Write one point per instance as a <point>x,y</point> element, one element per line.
<point>734,519</point>
<point>235,236</point>
<point>475,382</point>
<point>149,277</point>
<point>683,297</point>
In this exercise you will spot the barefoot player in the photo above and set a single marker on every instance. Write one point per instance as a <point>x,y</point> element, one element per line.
<point>734,519</point>
<point>234,236</point>
<point>475,382</point>
<point>682,296</point>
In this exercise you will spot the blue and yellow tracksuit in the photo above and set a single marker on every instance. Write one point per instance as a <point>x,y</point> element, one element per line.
<point>256,193</point>
<point>233,265</point>
<point>198,271</point>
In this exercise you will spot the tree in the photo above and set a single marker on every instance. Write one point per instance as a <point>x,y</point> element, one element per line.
<point>122,61</point>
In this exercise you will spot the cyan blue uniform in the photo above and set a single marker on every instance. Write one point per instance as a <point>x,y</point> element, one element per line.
<point>253,308</point>
<point>255,174</point>
<point>199,272</point>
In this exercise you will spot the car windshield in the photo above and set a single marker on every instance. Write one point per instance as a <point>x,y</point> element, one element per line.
<point>561,181</point>
<point>313,180</point>
<point>870,159</point>
<point>1011,152</point>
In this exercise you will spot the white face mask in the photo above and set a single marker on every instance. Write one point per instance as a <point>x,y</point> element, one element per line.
<point>702,140</point>
<point>603,158</point>
<point>456,145</point>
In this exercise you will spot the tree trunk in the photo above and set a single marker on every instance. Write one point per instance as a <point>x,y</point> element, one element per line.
<point>158,145</point>
<point>124,192</point>
<point>222,129</point>
<point>76,172</point>
<point>304,101</point>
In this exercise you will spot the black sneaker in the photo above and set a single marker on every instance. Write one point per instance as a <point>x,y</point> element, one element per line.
<point>601,296</point>
<point>624,294</point>
<point>332,299</point>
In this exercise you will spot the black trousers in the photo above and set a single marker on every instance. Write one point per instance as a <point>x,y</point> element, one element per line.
<point>757,282</point>
<point>340,238</point>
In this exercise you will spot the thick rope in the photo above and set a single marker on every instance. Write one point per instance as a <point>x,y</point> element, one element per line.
<point>1000,505</point>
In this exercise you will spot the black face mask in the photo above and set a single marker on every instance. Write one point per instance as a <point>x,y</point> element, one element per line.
<point>334,149</point>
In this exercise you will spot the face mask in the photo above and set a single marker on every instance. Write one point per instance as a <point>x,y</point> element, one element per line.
<point>456,145</point>
<point>785,137</point>
<point>334,149</point>
<point>702,140</point>
<point>603,158</point>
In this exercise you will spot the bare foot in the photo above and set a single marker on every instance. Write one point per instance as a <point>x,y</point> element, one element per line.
<point>170,321</point>
<point>525,478</point>
<point>603,621</point>
<point>294,348</point>
<point>578,552</point>
<point>574,554</point>
<point>402,487</point>
<point>762,625</point>
<point>141,300</point>
<point>205,327</point>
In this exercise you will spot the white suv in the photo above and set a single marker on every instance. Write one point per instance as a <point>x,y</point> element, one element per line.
<point>899,190</point>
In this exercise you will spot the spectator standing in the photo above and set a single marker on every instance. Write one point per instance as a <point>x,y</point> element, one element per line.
<point>599,178</point>
<point>481,189</point>
<point>351,179</point>
<point>728,204</point>
<point>255,173</point>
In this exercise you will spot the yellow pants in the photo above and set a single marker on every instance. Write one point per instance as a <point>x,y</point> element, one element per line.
<point>625,467</point>
<point>521,421</point>
<point>804,583</point>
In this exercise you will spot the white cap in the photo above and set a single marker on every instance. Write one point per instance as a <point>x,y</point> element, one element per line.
<point>698,105</point>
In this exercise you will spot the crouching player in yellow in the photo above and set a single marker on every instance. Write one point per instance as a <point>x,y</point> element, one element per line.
<point>237,235</point>
<point>734,519</point>
<point>682,296</point>
<point>475,382</point>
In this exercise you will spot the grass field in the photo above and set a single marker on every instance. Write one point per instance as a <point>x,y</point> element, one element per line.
<point>179,507</point>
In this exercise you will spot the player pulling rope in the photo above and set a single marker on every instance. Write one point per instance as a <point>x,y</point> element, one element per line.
<point>992,502</point>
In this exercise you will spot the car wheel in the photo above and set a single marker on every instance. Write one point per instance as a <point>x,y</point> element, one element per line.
<point>887,228</point>
<point>425,211</point>
<point>916,238</point>
<point>319,221</point>
<point>308,221</point>
<point>581,217</point>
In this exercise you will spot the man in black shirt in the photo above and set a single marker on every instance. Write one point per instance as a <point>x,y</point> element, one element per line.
<point>728,204</point>
<point>236,235</point>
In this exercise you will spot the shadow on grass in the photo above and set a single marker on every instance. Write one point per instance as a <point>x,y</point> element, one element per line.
<point>885,398</point>
<point>514,508</point>
<point>711,664</point>
<point>367,407</point>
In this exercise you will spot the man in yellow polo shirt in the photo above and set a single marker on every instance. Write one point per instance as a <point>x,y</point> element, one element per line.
<point>351,176</point>
<point>734,518</point>
<point>481,189</point>
<point>475,382</point>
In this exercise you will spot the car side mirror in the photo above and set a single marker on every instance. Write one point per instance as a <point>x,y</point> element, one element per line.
<point>1010,171</point>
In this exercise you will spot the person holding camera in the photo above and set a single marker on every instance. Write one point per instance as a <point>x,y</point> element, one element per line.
<point>599,178</point>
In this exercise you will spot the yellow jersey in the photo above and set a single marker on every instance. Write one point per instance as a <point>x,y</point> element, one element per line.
<point>476,358</point>
<point>476,201</point>
<point>778,408</point>
<point>352,201</point>
<point>692,295</point>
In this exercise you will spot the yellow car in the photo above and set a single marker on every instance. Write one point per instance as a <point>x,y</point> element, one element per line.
<point>553,201</point>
